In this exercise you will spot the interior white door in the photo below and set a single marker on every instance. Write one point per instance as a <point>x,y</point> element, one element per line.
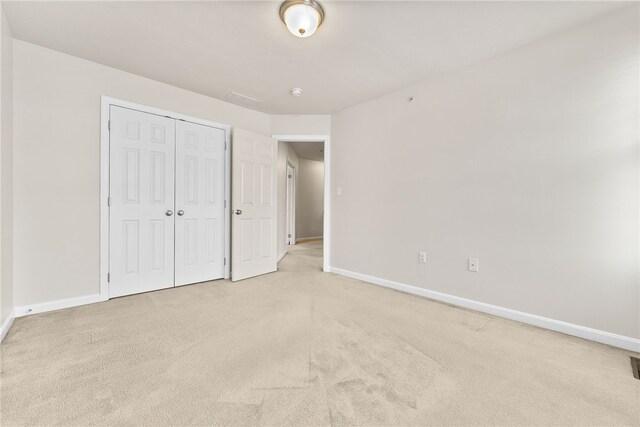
<point>141,190</point>
<point>253,199</point>
<point>200,220</point>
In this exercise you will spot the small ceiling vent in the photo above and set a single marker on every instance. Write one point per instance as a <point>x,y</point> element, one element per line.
<point>238,98</point>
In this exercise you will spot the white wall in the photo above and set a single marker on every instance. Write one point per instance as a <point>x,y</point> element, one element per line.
<point>310,200</point>
<point>528,161</point>
<point>285,153</point>
<point>6,165</point>
<point>300,125</point>
<point>57,163</point>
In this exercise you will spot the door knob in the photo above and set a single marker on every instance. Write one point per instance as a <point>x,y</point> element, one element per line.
<point>180,212</point>
<point>168,213</point>
<point>238,212</point>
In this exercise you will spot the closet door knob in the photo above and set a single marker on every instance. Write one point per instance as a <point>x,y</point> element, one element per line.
<point>180,212</point>
<point>238,212</point>
<point>168,213</point>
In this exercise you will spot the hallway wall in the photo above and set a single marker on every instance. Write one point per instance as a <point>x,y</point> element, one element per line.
<point>285,152</point>
<point>310,200</point>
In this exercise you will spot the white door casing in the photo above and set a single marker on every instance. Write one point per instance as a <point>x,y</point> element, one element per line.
<point>200,198</point>
<point>253,201</point>
<point>291,185</point>
<point>141,226</point>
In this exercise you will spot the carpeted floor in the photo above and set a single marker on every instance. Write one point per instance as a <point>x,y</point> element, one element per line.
<point>302,347</point>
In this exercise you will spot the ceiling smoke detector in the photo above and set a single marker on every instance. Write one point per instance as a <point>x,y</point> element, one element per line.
<point>302,17</point>
<point>296,91</point>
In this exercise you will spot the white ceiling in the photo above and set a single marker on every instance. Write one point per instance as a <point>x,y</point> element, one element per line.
<point>309,150</point>
<point>363,50</point>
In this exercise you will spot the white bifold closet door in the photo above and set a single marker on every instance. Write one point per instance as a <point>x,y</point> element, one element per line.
<point>200,160</point>
<point>166,202</point>
<point>141,188</point>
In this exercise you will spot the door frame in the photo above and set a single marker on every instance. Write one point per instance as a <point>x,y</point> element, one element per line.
<point>105,103</point>
<point>291,216</point>
<point>326,232</point>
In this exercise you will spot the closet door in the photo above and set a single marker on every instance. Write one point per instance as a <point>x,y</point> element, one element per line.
<point>200,175</point>
<point>141,186</point>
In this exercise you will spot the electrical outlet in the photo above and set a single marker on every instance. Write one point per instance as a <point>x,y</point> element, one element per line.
<point>422,257</point>
<point>339,191</point>
<point>473,264</point>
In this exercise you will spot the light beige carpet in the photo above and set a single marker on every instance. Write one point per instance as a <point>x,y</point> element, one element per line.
<point>302,347</point>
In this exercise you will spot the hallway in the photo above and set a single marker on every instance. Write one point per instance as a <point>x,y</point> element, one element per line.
<point>304,257</point>
<point>303,347</point>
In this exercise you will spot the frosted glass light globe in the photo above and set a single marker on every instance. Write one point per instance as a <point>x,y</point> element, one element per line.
<point>302,17</point>
<point>301,20</point>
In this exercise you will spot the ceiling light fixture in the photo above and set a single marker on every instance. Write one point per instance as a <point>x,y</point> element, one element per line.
<point>302,17</point>
<point>296,91</point>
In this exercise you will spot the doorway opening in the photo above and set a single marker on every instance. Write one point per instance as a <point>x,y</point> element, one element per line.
<point>303,187</point>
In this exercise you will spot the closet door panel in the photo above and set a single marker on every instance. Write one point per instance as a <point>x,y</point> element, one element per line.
<point>200,174</point>
<point>141,188</point>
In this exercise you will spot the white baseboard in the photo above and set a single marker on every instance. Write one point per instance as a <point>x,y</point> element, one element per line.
<point>282,256</point>
<point>26,310</point>
<point>604,337</point>
<point>304,239</point>
<point>6,325</point>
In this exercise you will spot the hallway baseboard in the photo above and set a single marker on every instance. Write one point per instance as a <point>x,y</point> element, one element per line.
<point>305,239</point>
